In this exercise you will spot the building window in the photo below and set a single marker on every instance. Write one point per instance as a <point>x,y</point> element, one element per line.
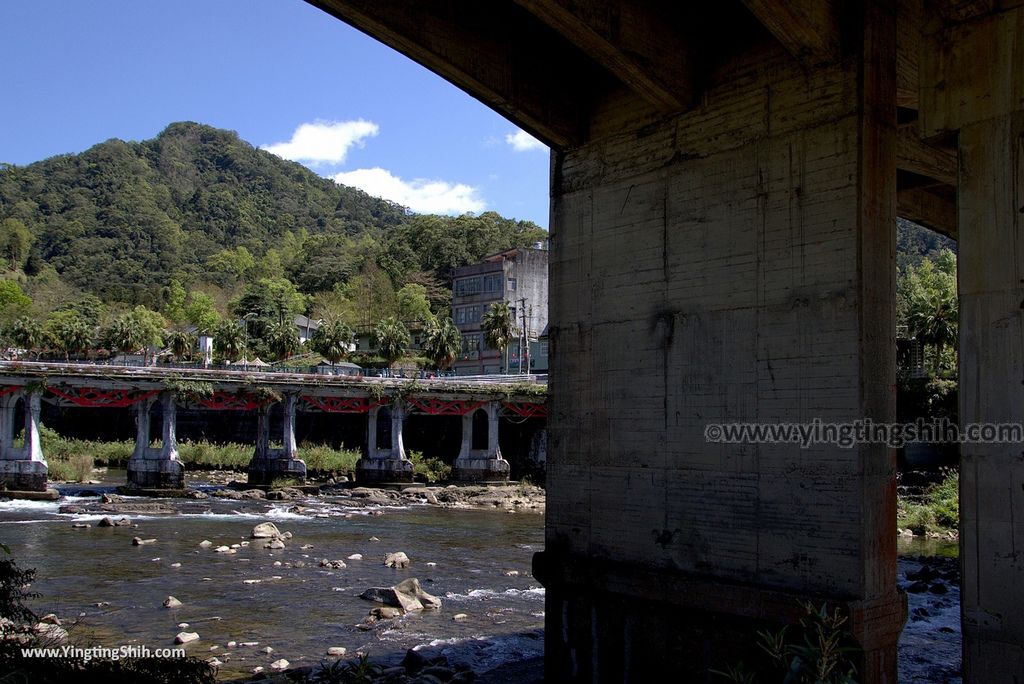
<point>471,346</point>
<point>512,284</point>
<point>460,314</point>
<point>492,283</point>
<point>467,286</point>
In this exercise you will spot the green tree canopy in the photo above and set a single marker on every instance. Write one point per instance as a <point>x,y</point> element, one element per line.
<point>69,332</point>
<point>13,302</point>
<point>443,342</point>
<point>413,304</point>
<point>26,333</point>
<point>393,339</point>
<point>283,340</point>
<point>229,340</point>
<point>15,242</point>
<point>331,341</point>
<point>927,305</point>
<point>498,326</point>
<point>200,311</point>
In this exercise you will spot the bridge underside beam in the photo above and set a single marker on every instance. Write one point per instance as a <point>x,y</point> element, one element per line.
<point>496,49</point>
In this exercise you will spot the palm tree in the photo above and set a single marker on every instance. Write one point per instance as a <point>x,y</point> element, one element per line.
<point>331,341</point>
<point>71,336</point>
<point>124,335</point>
<point>933,317</point>
<point>181,344</point>
<point>283,340</point>
<point>393,339</point>
<point>499,327</point>
<point>229,340</point>
<point>26,333</point>
<point>443,342</point>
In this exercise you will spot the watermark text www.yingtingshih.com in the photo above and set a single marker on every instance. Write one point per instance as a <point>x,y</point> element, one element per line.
<point>101,652</point>
<point>848,435</point>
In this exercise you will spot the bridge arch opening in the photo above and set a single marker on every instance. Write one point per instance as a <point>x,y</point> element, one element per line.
<point>383,428</point>
<point>481,430</point>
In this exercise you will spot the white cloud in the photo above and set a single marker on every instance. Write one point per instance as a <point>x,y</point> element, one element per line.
<point>521,141</point>
<point>323,142</point>
<point>420,195</point>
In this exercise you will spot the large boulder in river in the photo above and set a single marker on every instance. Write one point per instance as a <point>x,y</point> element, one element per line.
<point>407,595</point>
<point>267,530</point>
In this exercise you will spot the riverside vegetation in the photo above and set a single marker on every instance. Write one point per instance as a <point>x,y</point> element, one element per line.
<point>936,513</point>
<point>73,460</point>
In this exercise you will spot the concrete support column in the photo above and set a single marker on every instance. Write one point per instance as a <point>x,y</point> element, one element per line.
<point>151,468</point>
<point>276,466</point>
<point>473,465</point>
<point>142,427</point>
<point>731,264</point>
<point>21,468</point>
<point>991,275</point>
<point>972,90</point>
<point>384,463</point>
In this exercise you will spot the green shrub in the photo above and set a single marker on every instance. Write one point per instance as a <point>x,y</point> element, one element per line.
<point>938,510</point>
<point>430,469</point>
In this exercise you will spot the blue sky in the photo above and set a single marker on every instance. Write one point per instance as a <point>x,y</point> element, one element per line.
<point>281,73</point>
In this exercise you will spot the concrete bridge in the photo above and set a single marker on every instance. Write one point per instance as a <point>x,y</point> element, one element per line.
<point>725,180</point>
<point>385,402</point>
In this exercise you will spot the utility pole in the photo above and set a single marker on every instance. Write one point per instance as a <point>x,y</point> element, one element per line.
<point>524,338</point>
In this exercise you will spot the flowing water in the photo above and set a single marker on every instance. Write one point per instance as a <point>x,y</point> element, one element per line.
<point>282,598</point>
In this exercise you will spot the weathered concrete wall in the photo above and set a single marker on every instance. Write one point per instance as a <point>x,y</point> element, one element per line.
<point>973,82</point>
<point>734,263</point>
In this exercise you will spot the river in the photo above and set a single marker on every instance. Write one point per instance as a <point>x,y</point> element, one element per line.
<point>476,561</point>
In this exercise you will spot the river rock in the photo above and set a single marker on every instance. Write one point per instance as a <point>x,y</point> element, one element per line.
<point>222,549</point>
<point>279,664</point>
<point>337,651</point>
<point>335,564</point>
<point>139,541</point>
<point>407,595</point>
<point>274,544</point>
<point>265,530</point>
<point>171,602</point>
<point>50,632</point>
<point>356,556</point>
<point>386,613</point>
<point>186,637</point>
<point>81,525</point>
<point>50,619</point>
<point>459,616</point>
<point>205,544</point>
<point>105,521</point>
<point>397,560</point>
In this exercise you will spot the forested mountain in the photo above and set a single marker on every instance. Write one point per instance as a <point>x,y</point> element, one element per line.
<point>197,208</point>
<point>915,243</point>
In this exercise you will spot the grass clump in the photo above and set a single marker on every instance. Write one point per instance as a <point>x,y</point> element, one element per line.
<point>325,459</point>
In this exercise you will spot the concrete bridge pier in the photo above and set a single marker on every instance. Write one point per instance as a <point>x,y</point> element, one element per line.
<point>385,459</point>
<point>480,456</point>
<point>972,85</point>
<point>156,468</point>
<point>21,468</point>
<point>270,464</point>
